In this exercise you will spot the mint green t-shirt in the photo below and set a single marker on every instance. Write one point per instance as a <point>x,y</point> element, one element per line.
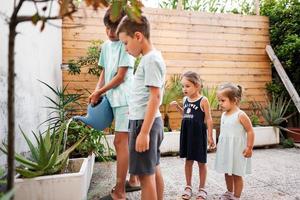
<point>150,72</point>
<point>113,56</point>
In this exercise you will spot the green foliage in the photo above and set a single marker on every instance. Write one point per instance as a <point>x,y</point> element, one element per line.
<point>274,88</point>
<point>245,7</point>
<point>172,92</point>
<point>254,120</point>
<point>211,95</point>
<point>62,105</point>
<point>284,18</point>
<point>46,158</point>
<point>288,143</point>
<point>95,141</point>
<point>7,196</point>
<point>166,129</point>
<point>90,60</point>
<point>274,112</point>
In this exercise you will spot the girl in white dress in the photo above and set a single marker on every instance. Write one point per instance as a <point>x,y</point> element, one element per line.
<point>234,149</point>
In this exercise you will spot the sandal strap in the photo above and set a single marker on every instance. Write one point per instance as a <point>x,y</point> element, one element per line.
<point>202,193</point>
<point>188,187</point>
<point>187,192</point>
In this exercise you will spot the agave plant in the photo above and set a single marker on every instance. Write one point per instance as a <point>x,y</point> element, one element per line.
<point>46,158</point>
<point>275,110</point>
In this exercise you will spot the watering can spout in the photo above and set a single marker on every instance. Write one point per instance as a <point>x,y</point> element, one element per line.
<point>99,116</point>
<point>81,118</point>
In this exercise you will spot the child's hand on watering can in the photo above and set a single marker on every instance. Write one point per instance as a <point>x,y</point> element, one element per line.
<point>94,98</point>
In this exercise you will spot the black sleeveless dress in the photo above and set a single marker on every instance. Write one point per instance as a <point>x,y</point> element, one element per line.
<point>193,135</point>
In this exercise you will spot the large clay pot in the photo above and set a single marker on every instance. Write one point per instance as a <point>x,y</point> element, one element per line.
<point>294,136</point>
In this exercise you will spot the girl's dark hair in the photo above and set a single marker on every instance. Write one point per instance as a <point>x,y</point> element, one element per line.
<point>108,22</point>
<point>192,77</point>
<point>232,91</point>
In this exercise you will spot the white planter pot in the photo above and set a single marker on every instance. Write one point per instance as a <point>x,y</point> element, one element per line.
<point>90,168</point>
<point>69,186</point>
<point>171,141</point>
<point>169,144</point>
<point>266,135</point>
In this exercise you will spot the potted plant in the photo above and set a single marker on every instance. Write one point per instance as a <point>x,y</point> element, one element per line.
<point>172,92</point>
<point>48,170</point>
<point>273,113</point>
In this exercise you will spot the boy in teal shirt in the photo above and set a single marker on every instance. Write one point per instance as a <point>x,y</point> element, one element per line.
<point>145,122</point>
<point>115,81</point>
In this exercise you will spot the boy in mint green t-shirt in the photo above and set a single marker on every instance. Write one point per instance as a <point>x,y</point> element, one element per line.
<point>115,81</point>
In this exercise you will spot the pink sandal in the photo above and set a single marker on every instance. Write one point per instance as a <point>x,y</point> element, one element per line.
<point>202,194</point>
<point>187,193</point>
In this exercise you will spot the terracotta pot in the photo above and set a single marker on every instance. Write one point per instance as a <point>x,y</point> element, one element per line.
<point>294,136</point>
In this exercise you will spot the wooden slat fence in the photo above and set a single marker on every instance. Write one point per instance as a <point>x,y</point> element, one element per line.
<point>220,47</point>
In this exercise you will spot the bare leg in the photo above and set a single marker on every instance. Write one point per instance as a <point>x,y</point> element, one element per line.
<point>148,187</point>
<point>159,183</point>
<point>121,146</point>
<point>188,171</point>
<point>229,182</point>
<point>238,185</point>
<point>134,180</point>
<point>202,174</point>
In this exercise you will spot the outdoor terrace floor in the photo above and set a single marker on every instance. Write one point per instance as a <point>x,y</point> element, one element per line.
<point>275,176</point>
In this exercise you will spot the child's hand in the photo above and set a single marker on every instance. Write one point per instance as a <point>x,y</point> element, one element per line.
<point>94,98</point>
<point>142,142</point>
<point>247,152</point>
<point>211,143</point>
<point>174,103</point>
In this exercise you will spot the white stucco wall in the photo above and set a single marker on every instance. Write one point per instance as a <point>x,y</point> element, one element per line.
<point>38,55</point>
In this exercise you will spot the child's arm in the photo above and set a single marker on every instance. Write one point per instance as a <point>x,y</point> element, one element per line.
<point>143,139</point>
<point>245,121</point>
<point>117,80</point>
<point>209,122</point>
<point>100,82</point>
<point>177,106</point>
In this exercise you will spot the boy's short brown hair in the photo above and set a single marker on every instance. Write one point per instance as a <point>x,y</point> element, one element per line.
<point>130,26</point>
<point>108,22</point>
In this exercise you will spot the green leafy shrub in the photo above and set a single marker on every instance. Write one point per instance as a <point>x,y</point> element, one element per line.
<point>95,141</point>
<point>90,60</point>
<point>284,20</point>
<point>254,120</point>
<point>214,6</point>
<point>288,143</point>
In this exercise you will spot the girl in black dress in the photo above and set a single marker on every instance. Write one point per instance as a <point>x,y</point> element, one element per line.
<point>196,125</point>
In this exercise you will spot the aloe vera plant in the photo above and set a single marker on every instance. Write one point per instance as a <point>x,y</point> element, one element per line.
<point>275,110</point>
<point>46,158</point>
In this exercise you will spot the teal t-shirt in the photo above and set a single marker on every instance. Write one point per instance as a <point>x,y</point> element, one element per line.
<point>150,72</point>
<point>113,56</point>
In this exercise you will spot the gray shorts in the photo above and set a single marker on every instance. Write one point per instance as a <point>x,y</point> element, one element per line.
<point>145,163</point>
